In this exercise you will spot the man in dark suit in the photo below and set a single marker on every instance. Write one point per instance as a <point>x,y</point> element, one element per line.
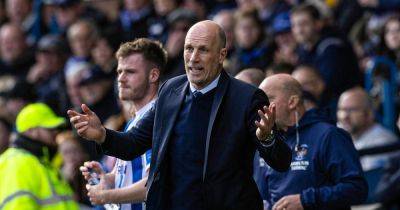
<point>203,131</point>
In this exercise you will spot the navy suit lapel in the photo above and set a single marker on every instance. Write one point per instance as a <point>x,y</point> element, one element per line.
<point>171,110</point>
<point>219,95</point>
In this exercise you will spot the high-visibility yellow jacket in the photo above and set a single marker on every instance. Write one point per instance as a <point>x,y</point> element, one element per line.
<point>29,183</point>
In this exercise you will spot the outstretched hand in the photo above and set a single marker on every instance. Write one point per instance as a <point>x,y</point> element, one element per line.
<point>88,125</point>
<point>266,123</point>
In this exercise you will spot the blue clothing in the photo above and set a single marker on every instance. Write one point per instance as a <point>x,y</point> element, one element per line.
<point>129,172</point>
<point>335,60</point>
<point>325,169</point>
<point>186,152</point>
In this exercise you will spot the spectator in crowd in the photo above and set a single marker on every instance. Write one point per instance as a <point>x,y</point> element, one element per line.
<point>309,101</point>
<point>269,10</point>
<point>252,50</point>
<point>140,64</point>
<point>325,172</point>
<point>285,43</point>
<point>345,14</point>
<point>279,68</point>
<point>97,91</point>
<point>225,18</point>
<point>5,131</point>
<point>356,115</point>
<point>47,73</point>
<point>31,154</point>
<point>134,18</point>
<point>158,25</point>
<point>15,56</point>
<point>110,9</point>
<point>251,76</point>
<point>68,12</point>
<point>18,94</point>
<point>73,156</point>
<point>177,178</point>
<point>103,54</point>
<point>82,37</point>
<point>179,22</point>
<point>391,39</point>
<point>332,56</point>
<point>312,82</point>
<point>73,76</point>
<point>197,7</point>
<point>21,13</point>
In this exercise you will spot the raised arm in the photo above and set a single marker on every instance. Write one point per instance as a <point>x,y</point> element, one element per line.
<point>271,146</point>
<point>123,145</point>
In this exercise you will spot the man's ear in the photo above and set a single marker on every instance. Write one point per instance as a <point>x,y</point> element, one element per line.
<point>154,75</point>
<point>294,100</point>
<point>222,55</point>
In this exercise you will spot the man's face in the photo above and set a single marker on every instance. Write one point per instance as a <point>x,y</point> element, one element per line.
<point>392,35</point>
<point>18,10</point>
<point>102,53</point>
<point>50,60</point>
<point>203,55</point>
<point>133,77</point>
<point>12,44</point>
<point>303,27</point>
<point>46,136</point>
<point>81,41</point>
<point>351,114</point>
<point>247,33</point>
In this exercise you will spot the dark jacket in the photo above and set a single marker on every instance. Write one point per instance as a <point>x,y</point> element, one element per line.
<point>336,61</point>
<point>325,170</point>
<point>230,144</point>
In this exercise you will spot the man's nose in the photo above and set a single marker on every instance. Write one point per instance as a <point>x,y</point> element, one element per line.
<point>194,57</point>
<point>121,77</point>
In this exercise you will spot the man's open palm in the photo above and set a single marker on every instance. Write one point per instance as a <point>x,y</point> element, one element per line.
<point>267,121</point>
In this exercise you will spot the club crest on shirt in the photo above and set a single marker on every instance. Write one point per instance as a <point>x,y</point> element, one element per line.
<point>301,152</point>
<point>300,162</point>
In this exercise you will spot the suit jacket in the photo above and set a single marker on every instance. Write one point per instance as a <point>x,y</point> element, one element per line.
<point>230,144</point>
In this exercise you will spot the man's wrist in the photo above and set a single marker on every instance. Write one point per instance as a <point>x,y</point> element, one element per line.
<point>103,136</point>
<point>269,138</point>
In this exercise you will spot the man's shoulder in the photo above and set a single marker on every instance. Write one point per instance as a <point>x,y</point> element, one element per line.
<point>14,158</point>
<point>239,86</point>
<point>174,82</point>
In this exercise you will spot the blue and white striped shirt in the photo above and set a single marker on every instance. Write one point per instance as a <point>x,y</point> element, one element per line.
<point>129,172</point>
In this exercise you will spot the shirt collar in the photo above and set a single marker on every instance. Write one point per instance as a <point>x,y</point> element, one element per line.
<point>145,108</point>
<point>209,87</point>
